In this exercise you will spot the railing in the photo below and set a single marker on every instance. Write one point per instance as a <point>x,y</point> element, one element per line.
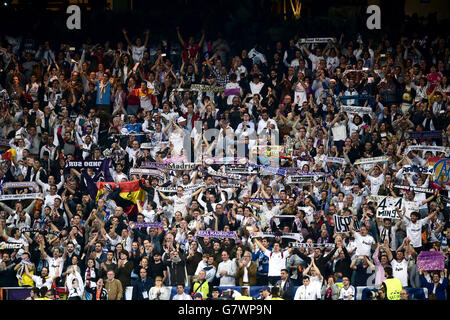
<point>21,293</point>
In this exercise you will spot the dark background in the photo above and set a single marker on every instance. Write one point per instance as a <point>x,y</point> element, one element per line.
<point>240,21</point>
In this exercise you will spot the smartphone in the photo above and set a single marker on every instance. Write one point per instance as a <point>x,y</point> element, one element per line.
<point>163,55</point>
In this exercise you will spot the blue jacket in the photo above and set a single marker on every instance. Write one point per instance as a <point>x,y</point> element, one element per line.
<point>139,287</point>
<point>263,262</point>
<point>440,290</point>
<point>287,292</point>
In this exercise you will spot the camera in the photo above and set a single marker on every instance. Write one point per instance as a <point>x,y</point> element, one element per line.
<point>373,294</point>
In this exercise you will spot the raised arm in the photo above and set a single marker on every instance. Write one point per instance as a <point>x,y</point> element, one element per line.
<point>124,31</point>
<point>147,32</point>
<point>180,38</point>
<point>202,39</point>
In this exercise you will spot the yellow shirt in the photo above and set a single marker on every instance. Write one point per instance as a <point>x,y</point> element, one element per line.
<point>25,280</point>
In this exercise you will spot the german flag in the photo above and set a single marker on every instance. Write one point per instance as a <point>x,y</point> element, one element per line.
<point>130,192</point>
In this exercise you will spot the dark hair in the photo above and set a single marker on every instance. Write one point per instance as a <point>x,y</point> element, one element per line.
<point>43,291</point>
<point>13,231</point>
<point>275,291</point>
<point>388,270</point>
<point>415,213</point>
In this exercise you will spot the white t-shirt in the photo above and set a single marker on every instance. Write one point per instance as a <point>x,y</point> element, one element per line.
<point>180,204</point>
<point>52,265</point>
<point>375,183</point>
<point>256,87</point>
<point>400,271</point>
<point>363,244</point>
<point>137,53</point>
<point>50,200</point>
<point>339,131</point>
<point>414,230</point>
<point>183,296</point>
<point>277,261</point>
<point>315,60</point>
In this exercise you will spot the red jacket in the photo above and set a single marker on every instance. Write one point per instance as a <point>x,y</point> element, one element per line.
<point>195,117</point>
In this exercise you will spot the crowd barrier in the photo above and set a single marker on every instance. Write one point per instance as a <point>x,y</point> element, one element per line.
<point>19,293</point>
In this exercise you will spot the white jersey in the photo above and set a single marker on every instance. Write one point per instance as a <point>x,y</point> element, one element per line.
<point>414,231</point>
<point>363,244</point>
<point>309,292</point>
<point>277,261</point>
<point>180,204</point>
<point>345,294</point>
<point>375,183</point>
<point>400,271</point>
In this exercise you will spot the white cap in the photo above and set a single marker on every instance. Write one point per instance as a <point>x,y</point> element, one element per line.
<point>181,119</point>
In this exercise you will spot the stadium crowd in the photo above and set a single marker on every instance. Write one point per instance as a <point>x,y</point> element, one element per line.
<point>198,166</point>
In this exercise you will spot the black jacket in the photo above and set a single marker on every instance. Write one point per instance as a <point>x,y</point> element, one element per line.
<point>343,266</point>
<point>140,287</point>
<point>8,276</point>
<point>320,262</point>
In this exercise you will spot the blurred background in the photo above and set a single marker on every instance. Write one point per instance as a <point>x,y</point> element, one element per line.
<point>240,21</point>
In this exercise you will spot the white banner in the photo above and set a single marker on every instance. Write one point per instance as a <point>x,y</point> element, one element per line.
<point>418,169</point>
<point>174,189</point>
<point>295,236</point>
<point>212,172</point>
<point>336,160</point>
<point>387,206</point>
<point>240,169</point>
<point>206,88</point>
<point>427,148</point>
<point>23,196</point>
<point>371,160</point>
<point>316,40</point>
<point>357,109</point>
<point>147,172</point>
<point>23,184</point>
<point>311,245</point>
<point>305,179</point>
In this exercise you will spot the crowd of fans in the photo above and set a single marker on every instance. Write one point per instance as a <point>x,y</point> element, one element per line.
<point>135,103</point>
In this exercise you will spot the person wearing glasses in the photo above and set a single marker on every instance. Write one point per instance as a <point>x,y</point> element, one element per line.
<point>159,291</point>
<point>246,272</point>
<point>347,291</point>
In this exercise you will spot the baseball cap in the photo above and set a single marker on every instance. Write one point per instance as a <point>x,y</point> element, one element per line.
<point>181,119</point>
<point>198,295</point>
